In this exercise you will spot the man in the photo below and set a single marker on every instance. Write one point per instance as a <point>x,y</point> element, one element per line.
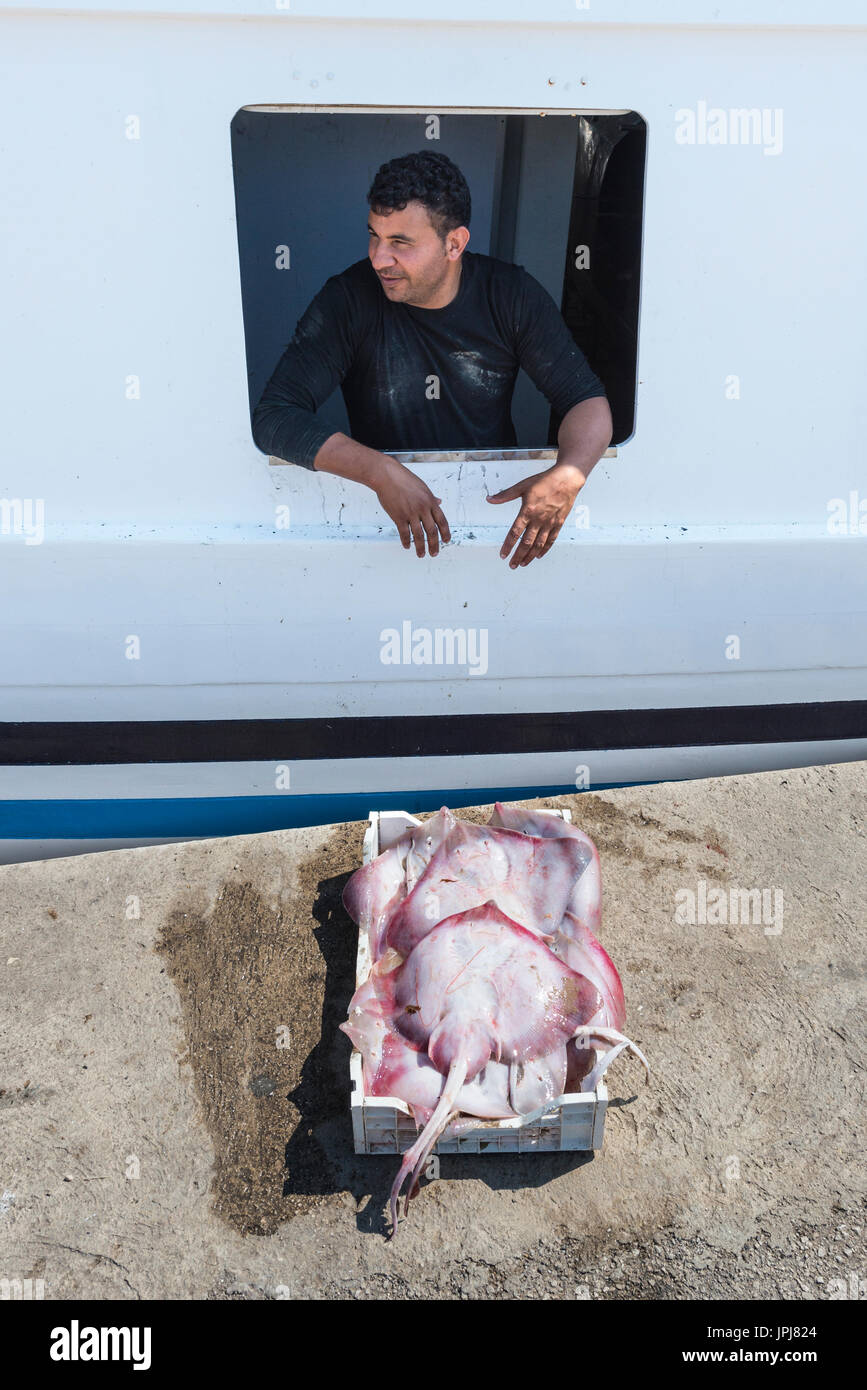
<point>425,339</point>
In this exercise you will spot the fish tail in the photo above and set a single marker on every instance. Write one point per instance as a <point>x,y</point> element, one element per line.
<point>414,1158</point>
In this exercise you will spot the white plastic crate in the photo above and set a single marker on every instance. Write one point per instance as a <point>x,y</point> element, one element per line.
<point>384,1125</point>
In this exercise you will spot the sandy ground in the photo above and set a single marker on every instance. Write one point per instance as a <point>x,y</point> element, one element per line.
<point>160,1139</point>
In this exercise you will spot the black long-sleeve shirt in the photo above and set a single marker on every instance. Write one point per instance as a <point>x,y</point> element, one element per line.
<point>416,378</point>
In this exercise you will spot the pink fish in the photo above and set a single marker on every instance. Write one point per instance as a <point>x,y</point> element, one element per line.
<point>531,879</point>
<point>489,995</point>
<point>375,890</point>
<point>585,901</point>
<point>575,942</point>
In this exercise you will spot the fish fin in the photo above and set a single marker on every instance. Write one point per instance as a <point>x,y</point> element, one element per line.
<point>388,961</point>
<point>589,1032</point>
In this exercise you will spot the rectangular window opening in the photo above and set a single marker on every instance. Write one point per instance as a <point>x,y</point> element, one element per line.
<point>559,193</point>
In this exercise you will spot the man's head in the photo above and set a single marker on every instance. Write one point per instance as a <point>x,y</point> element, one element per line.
<point>418,227</point>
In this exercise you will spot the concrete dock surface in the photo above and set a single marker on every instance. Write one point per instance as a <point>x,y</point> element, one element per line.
<point>174,1090</point>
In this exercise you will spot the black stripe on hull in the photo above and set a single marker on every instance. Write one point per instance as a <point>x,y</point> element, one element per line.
<point>412,736</point>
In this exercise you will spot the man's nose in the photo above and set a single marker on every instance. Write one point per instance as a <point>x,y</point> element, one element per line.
<point>382,258</point>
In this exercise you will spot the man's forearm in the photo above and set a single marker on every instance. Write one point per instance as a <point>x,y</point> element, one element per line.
<point>584,435</point>
<point>403,496</point>
<point>346,458</point>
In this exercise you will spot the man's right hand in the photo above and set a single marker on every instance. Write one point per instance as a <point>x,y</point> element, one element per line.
<point>412,507</point>
<point>407,500</point>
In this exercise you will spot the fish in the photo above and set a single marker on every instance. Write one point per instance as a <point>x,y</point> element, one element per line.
<point>376,889</point>
<point>489,994</point>
<point>575,941</point>
<point>532,878</point>
<point>585,901</point>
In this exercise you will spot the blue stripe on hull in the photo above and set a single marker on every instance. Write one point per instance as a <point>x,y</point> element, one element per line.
<point>232,815</point>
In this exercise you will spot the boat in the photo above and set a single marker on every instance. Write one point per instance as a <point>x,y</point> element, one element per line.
<point>202,640</point>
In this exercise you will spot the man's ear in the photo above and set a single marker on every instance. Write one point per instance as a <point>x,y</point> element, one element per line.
<point>456,242</point>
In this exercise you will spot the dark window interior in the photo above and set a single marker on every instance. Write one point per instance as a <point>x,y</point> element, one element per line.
<point>541,186</point>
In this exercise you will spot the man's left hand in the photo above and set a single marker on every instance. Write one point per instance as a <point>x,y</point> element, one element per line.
<point>546,501</point>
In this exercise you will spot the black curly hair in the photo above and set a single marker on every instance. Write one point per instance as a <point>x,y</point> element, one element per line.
<point>427,178</point>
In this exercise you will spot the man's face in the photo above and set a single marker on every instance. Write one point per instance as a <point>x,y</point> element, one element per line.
<point>413,264</point>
